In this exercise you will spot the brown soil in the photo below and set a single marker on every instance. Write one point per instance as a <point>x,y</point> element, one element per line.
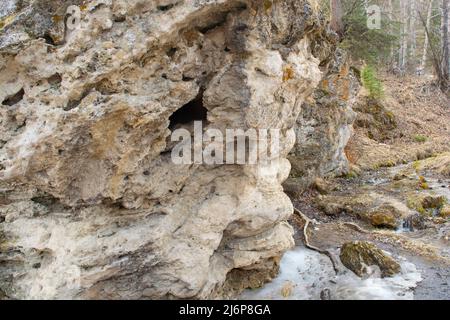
<point>421,115</point>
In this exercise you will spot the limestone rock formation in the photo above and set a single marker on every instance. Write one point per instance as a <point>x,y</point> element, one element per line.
<point>91,205</point>
<point>325,123</point>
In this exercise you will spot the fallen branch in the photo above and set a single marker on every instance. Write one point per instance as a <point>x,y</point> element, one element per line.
<point>355,227</point>
<point>310,246</point>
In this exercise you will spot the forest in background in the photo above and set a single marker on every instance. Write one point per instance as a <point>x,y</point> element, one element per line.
<point>412,37</point>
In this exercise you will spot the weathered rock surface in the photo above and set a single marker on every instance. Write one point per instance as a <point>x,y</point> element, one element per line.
<point>325,124</point>
<point>90,204</point>
<point>359,255</point>
<point>379,210</point>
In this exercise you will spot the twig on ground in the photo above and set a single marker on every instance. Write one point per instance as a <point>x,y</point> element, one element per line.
<point>310,246</point>
<point>355,227</point>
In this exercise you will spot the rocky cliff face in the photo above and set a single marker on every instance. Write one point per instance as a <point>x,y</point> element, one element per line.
<point>325,124</point>
<point>91,205</point>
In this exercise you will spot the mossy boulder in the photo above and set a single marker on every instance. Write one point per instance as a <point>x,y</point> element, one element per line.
<point>386,216</point>
<point>358,256</point>
<point>384,220</point>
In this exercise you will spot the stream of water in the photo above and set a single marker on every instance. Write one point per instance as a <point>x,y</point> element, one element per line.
<point>308,275</point>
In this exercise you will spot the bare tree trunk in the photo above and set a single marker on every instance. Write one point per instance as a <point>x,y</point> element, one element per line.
<point>426,42</point>
<point>336,23</point>
<point>404,36</point>
<point>445,41</point>
<point>437,52</point>
<point>412,33</point>
<point>390,12</point>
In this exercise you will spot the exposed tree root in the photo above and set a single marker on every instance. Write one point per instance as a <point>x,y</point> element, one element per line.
<point>310,246</point>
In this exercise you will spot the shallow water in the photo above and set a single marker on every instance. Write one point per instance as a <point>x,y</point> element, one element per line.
<point>304,274</point>
<point>441,188</point>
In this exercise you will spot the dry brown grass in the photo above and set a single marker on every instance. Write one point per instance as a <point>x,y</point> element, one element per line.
<point>420,110</point>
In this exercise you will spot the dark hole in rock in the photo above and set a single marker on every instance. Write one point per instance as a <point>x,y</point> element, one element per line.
<point>15,98</point>
<point>187,79</point>
<point>106,87</point>
<point>193,111</point>
<point>72,104</point>
<point>54,80</point>
<point>219,22</point>
<point>171,52</point>
<point>45,200</point>
<point>241,27</point>
<point>166,152</point>
<point>219,18</point>
<point>48,39</point>
<point>119,18</point>
<point>166,7</point>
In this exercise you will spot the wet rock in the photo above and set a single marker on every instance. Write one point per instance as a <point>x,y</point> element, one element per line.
<point>387,216</point>
<point>384,219</point>
<point>325,294</point>
<point>415,222</point>
<point>358,256</point>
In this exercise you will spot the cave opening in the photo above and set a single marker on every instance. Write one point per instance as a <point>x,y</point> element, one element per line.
<point>190,112</point>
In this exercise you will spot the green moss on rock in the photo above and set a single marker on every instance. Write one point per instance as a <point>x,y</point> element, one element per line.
<point>358,256</point>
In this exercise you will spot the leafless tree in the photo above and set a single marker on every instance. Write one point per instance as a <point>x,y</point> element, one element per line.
<point>336,23</point>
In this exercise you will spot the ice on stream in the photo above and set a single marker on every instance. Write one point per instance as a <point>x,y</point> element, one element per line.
<point>304,274</point>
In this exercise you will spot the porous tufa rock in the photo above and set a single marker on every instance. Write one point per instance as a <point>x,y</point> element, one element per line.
<point>91,204</point>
